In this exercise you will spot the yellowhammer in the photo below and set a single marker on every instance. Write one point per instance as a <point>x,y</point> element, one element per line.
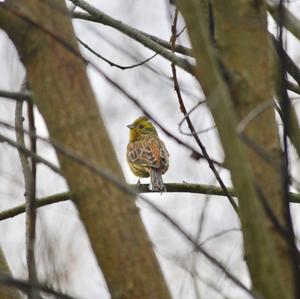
<point>146,153</point>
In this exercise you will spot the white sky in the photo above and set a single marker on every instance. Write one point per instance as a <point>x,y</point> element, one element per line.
<point>72,251</point>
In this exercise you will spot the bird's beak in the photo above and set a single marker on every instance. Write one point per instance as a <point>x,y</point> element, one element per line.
<point>130,126</point>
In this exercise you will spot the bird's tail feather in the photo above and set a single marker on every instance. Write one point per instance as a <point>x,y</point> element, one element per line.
<point>157,183</point>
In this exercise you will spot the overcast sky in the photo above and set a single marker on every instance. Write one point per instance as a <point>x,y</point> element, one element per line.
<point>69,247</point>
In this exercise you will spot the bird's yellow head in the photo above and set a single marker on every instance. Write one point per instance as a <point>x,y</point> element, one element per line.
<point>141,128</point>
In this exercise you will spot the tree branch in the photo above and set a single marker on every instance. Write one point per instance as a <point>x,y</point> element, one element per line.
<point>107,21</point>
<point>113,64</point>
<point>135,34</point>
<point>5,292</point>
<point>29,179</point>
<point>8,281</point>
<point>143,188</point>
<point>289,20</point>
<point>189,122</point>
<point>18,96</point>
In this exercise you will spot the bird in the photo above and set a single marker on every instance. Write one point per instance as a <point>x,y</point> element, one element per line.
<point>147,155</point>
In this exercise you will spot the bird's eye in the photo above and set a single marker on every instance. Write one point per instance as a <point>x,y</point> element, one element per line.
<point>141,127</point>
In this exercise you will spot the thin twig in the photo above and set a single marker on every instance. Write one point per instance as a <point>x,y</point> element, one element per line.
<point>30,198</point>
<point>193,273</point>
<point>28,153</point>
<point>179,33</point>
<point>250,117</point>
<point>27,287</point>
<point>253,114</point>
<point>31,210</point>
<point>285,108</point>
<point>187,115</point>
<point>121,67</point>
<point>190,124</point>
<point>135,34</point>
<point>220,234</point>
<point>202,218</point>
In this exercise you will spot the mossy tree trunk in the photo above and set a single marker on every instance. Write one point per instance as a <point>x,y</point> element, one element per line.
<point>234,68</point>
<point>6,293</point>
<point>64,97</point>
<point>242,40</point>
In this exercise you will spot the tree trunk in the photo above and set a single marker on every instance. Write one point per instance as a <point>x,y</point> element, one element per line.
<point>5,292</point>
<point>242,40</point>
<point>229,102</point>
<point>64,97</point>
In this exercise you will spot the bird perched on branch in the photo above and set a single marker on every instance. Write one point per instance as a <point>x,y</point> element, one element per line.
<point>146,153</point>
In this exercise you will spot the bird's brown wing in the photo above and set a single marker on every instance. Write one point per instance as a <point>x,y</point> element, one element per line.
<point>145,153</point>
<point>164,157</point>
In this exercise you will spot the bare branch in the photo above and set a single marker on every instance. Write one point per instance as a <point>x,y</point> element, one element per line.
<point>29,153</point>
<point>27,287</point>
<point>143,188</point>
<point>15,95</point>
<point>220,234</point>
<point>291,66</point>
<point>285,104</point>
<point>187,115</point>
<point>107,21</point>
<point>29,179</point>
<point>192,272</point>
<point>189,122</point>
<point>135,34</point>
<point>39,203</point>
<point>121,67</point>
<point>289,20</point>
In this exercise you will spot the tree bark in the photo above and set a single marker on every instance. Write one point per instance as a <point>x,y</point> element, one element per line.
<point>268,279</point>
<point>5,292</point>
<point>242,40</point>
<point>64,97</point>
